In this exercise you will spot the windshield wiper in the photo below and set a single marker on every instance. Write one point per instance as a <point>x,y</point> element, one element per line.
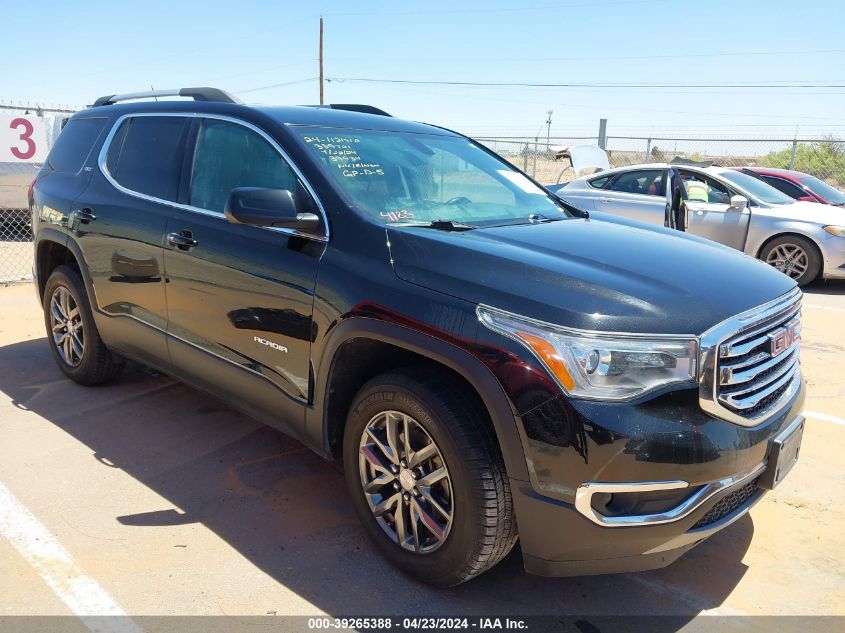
<point>440,225</point>
<point>539,218</point>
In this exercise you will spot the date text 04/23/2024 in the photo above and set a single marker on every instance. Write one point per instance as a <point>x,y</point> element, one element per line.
<point>418,624</point>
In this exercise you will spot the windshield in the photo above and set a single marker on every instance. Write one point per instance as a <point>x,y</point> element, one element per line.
<point>400,177</point>
<point>826,191</point>
<point>757,188</point>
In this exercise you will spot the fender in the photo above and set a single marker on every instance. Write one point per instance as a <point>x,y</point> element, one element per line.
<point>47,234</point>
<point>473,370</point>
<point>754,246</point>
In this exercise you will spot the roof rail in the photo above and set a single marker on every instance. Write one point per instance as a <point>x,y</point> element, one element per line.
<point>198,94</point>
<point>354,107</point>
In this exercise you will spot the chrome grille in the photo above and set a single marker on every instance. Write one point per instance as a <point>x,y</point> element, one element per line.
<point>751,363</point>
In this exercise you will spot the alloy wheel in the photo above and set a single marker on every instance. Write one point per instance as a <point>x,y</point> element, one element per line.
<point>789,259</point>
<point>406,482</point>
<point>66,327</point>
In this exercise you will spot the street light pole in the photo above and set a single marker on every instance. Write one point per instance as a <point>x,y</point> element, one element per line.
<point>321,60</point>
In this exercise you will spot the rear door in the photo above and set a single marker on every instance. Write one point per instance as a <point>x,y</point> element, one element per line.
<point>240,297</point>
<point>639,195</point>
<point>119,223</point>
<point>709,212</point>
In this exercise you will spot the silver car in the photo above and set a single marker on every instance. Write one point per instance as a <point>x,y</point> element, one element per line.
<point>802,239</point>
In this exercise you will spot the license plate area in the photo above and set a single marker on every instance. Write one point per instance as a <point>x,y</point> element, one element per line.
<point>784,454</point>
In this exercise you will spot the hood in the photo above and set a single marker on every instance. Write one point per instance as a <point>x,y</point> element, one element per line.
<point>590,274</point>
<point>588,157</point>
<point>823,214</point>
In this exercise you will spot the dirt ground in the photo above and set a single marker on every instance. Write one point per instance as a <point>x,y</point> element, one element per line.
<point>171,503</point>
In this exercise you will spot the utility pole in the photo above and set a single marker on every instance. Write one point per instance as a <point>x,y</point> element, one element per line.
<point>548,127</point>
<point>603,133</point>
<point>321,60</point>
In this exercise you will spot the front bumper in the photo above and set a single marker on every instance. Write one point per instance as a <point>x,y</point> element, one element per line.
<point>578,449</point>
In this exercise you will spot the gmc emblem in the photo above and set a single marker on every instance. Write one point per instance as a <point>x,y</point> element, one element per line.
<point>782,339</point>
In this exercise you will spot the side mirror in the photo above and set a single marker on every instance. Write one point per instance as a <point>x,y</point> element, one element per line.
<point>738,203</point>
<point>259,206</point>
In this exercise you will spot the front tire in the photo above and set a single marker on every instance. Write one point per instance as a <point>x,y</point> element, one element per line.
<point>794,256</point>
<point>427,479</point>
<point>74,340</point>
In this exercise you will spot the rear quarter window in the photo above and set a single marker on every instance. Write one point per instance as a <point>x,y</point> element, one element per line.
<point>145,155</point>
<point>598,183</point>
<point>74,144</point>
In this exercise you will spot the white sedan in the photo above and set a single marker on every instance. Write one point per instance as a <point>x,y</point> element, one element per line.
<point>802,239</point>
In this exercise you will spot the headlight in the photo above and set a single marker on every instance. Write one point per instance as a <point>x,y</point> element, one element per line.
<point>600,366</point>
<point>838,231</point>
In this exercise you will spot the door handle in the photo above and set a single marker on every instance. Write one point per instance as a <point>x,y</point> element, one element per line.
<point>83,215</point>
<point>603,199</point>
<point>183,240</point>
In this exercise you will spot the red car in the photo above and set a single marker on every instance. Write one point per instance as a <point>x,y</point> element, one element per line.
<point>797,184</point>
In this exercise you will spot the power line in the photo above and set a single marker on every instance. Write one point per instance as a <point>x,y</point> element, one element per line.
<point>613,58</point>
<point>734,114</point>
<point>280,85</point>
<point>589,4</point>
<point>522,84</point>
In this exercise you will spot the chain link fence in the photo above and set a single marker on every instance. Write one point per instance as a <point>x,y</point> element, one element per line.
<point>16,252</point>
<point>547,162</point>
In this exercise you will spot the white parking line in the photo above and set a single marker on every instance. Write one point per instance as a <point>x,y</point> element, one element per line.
<point>824,416</point>
<point>821,307</point>
<point>81,593</point>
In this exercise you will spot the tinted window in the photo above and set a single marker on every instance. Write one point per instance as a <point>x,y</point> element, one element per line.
<point>598,183</point>
<point>647,182</point>
<point>786,187</point>
<point>145,156</point>
<point>74,144</point>
<point>228,156</point>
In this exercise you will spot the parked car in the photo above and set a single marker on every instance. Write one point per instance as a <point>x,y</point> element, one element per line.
<point>804,240</point>
<point>488,361</point>
<point>798,185</point>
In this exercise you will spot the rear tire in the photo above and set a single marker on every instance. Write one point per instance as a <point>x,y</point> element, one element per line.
<point>472,510</point>
<point>73,337</point>
<point>795,256</point>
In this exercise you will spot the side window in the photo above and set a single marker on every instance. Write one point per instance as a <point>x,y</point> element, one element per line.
<point>701,188</point>
<point>785,186</point>
<point>74,143</point>
<point>145,155</point>
<point>229,155</point>
<point>598,183</point>
<point>648,182</point>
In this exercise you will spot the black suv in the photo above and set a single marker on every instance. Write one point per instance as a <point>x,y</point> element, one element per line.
<point>488,361</point>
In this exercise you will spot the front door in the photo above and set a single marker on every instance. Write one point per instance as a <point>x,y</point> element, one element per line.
<point>638,195</point>
<point>240,297</point>
<point>709,211</point>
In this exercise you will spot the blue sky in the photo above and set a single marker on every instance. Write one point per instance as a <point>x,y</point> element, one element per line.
<point>59,52</point>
